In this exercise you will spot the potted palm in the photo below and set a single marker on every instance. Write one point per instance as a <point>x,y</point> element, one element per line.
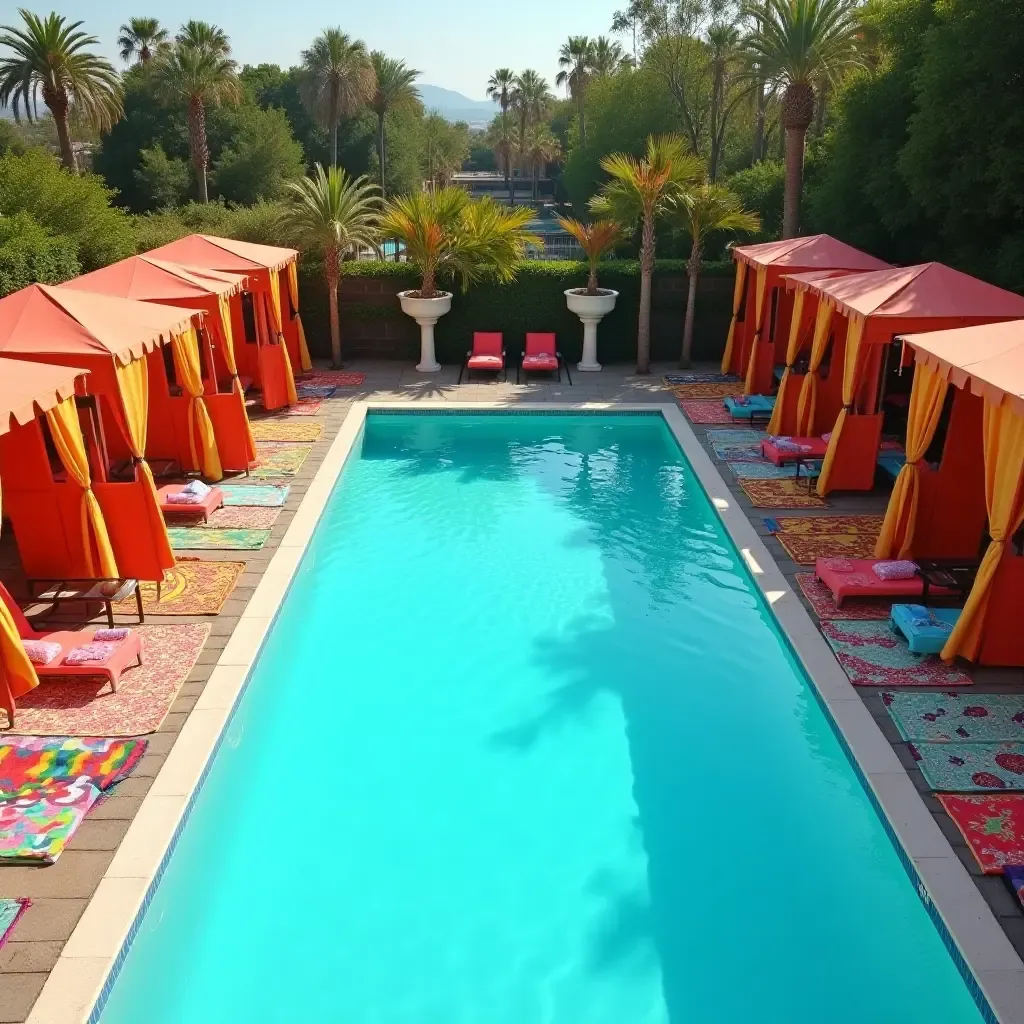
<point>591,304</point>
<point>447,232</point>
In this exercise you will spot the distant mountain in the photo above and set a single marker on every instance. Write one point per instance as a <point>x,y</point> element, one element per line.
<point>454,106</point>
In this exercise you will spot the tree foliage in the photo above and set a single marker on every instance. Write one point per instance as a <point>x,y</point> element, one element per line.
<point>28,253</point>
<point>260,159</point>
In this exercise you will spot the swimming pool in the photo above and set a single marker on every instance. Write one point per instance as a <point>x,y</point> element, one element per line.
<point>525,745</point>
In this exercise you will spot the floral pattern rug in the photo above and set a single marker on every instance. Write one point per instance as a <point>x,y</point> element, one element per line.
<point>10,913</point>
<point>808,538</point>
<point>674,380</point>
<point>820,599</point>
<point>957,718</point>
<point>781,494</point>
<point>967,767</point>
<point>314,391</point>
<point>255,495</point>
<point>331,378</point>
<point>279,459</point>
<point>191,587</point>
<point>993,826</point>
<point>273,429</point>
<point>705,410</point>
<point>763,470</point>
<point>739,445</point>
<point>205,538</point>
<point>705,389</point>
<point>872,655</point>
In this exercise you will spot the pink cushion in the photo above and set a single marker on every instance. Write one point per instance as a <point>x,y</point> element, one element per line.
<point>538,344</point>
<point>804,447</point>
<point>899,569</point>
<point>40,652</point>
<point>541,361</point>
<point>487,343</point>
<point>863,582</point>
<point>486,363</point>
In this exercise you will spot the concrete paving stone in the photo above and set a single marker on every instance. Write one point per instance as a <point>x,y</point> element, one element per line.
<point>17,994</point>
<point>116,808</point>
<point>99,833</point>
<point>75,874</point>
<point>28,957</point>
<point>49,920</point>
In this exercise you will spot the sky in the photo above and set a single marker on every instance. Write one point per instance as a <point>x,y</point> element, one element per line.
<point>456,44</point>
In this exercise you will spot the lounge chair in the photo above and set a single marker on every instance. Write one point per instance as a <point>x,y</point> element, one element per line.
<point>210,503</point>
<point>487,353</point>
<point>926,629</point>
<point>125,653</point>
<point>802,448</point>
<point>854,577</point>
<point>749,407</point>
<point>541,355</point>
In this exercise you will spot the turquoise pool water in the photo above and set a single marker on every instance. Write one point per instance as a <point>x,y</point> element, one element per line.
<point>525,747</point>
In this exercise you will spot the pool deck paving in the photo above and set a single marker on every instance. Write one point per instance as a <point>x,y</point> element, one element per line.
<point>61,892</point>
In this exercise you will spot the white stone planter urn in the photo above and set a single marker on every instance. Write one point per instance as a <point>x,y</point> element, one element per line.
<point>426,312</point>
<point>590,309</point>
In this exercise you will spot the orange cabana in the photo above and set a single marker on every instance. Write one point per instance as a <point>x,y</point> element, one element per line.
<point>872,309</point>
<point>152,280</point>
<point>762,308</point>
<point>122,343</point>
<point>259,320</point>
<point>985,366</point>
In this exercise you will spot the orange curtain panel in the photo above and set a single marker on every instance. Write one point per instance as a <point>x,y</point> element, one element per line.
<point>224,305</point>
<point>1004,497</point>
<point>66,432</point>
<point>851,381</point>
<point>265,313</point>
<point>185,350</point>
<point>737,302</point>
<point>293,294</point>
<point>792,351</point>
<point>759,290</point>
<point>926,401</point>
<point>808,403</point>
<point>17,676</point>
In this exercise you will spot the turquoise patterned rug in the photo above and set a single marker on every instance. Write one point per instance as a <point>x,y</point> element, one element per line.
<point>957,718</point>
<point>260,495</point>
<point>204,538</point>
<point>10,911</point>
<point>764,470</point>
<point>970,767</point>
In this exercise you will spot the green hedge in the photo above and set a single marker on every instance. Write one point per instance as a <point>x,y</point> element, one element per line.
<point>29,253</point>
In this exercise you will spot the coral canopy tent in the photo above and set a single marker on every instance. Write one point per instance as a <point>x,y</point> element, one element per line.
<point>762,311</point>
<point>147,279</point>
<point>273,276</point>
<point>986,365</point>
<point>872,309</point>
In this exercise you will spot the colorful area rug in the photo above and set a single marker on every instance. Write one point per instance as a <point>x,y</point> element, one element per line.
<point>314,391</point>
<point>992,825</point>
<point>970,767</point>
<point>86,707</point>
<point>763,470</point>
<point>951,717</point>
<point>674,380</point>
<point>739,445</point>
<point>192,587</point>
<point>10,912</point>
<point>706,390</point>
<point>205,538</point>
<point>807,538</point>
<point>820,599</point>
<point>255,495</point>
<point>331,379</point>
<point>243,517</point>
<point>828,526</point>
<point>872,655</point>
<point>781,494</point>
<point>282,430</point>
<point>705,410</point>
<point>279,460</point>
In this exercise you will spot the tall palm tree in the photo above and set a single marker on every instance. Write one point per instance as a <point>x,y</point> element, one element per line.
<point>331,214</point>
<point>645,190</point>
<point>51,56</point>
<point>575,58</point>
<point>337,79</point>
<point>700,211</point>
<point>539,147</point>
<point>198,76</point>
<point>800,44</point>
<point>394,88</point>
<point>140,38</point>
<point>201,35</point>
<point>724,38</point>
<point>608,57</point>
<point>531,98</point>
<point>500,88</point>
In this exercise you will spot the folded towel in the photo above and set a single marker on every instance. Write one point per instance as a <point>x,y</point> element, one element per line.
<point>197,487</point>
<point>117,633</point>
<point>89,652</point>
<point>40,652</point>
<point>827,437</point>
<point>183,498</point>
<point>860,579</point>
<point>838,564</point>
<point>898,569</point>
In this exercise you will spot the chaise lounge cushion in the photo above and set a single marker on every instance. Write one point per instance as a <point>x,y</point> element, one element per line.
<point>855,577</point>
<point>485,362</point>
<point>926,629</point>
<point>541,361</point>
<point>803,448</point>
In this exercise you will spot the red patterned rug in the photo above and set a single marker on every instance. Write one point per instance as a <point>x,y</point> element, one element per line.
<point>780,494</point>
<point>331,379</point>
<point>705,410</point>
<point>992,825</point>
<point>820,599</point>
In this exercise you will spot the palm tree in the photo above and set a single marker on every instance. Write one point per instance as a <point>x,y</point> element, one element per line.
<point>333,215</point>
<point>530,98</point>
<point>630,19</point>
<point>595,240</point>
<point>51,56</point>
<point>500,87</point>
<point>607,58</point>
<point>539,147</point>
<point>800,44</point>
<point>337,79</point>
<point>644,190</point>
<point>140,38</point>
<point>198,76</point>
<point>724,39</point>
<point>700,211</point>
<point>201,35</point>
<point>394,88</point>
<point>575,59</point>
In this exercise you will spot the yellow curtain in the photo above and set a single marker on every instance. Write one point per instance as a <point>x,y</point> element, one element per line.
<point>926,401</point>
<point>224,305</point>
<point>67,438</point>
<point>1004,496</point>
<point>737,302</point>
<point>807,405</point>
<point>759,290</point>
<point>185,349</point>
<point>851,380</point>
<point>792,351</point>
<point>133,387</point>
<point>293,294</point>
<point>289,376</point>
<point>17,675</point>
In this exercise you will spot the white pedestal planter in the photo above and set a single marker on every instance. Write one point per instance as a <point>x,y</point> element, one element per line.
<point>590,309</point>
<point>426,312</point>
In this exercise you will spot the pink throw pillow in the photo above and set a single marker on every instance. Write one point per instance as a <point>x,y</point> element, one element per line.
<point>900,569</point>
<point>838,564</point>
<point>40,652</point>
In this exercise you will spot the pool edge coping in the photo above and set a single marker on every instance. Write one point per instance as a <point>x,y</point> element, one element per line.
<point>76,988</point>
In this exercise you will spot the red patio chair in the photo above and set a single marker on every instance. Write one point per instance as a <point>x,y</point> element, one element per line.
<point>541,355</point>
<point>488,353</point>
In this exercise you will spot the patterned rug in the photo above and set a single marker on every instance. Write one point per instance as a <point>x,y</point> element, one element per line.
<point>828,526</point>
<point>192,587</point>
<point>952,718</point>
<point>807,538</point>
<point>205,538</point>
<point>763,470</point>
<point>781,494</point>
<point>872,655</point>
<point>970,767</point>
<point>10,912</point>
<point>255,495</point>
<point>705,410</point>
<point>86,707</point>
<point>279,460</point>
<point>282,430</point>
<point>738,445</point>
<point>820,599</point>
<point>244,517</point>
<point>331,378</point>
<point>304,407</point>
<point>674,380</point>
<point>706,390</point>
<point>314,391</point>
<point>992,825</point>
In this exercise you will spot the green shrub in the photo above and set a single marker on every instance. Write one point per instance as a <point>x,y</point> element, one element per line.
<point>257,223</point>
<point>164,180</point>
<point>29,253</point>
<point>261,157</point>
<point>762,189</point>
